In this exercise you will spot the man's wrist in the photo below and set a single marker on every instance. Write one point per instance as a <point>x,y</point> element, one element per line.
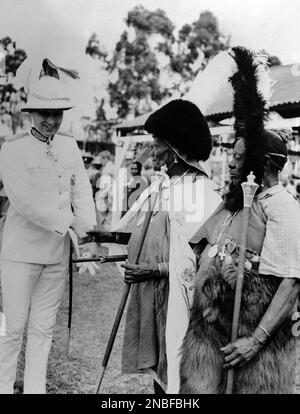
<point>261,335</point>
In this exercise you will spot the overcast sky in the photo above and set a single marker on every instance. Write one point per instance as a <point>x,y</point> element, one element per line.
<point>65,25</point>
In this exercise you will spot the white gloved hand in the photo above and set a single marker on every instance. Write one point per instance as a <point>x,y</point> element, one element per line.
<point>91,267</point>
<point>90,247</point>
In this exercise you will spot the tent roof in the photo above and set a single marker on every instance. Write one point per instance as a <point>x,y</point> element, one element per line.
<point>286,91</point>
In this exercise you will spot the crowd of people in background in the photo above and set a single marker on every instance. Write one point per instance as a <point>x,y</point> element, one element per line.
<point>100,170</point>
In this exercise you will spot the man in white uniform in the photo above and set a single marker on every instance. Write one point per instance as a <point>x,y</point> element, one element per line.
<point>49,192</point>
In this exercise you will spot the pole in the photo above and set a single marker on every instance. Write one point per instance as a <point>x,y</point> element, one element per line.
<point>238,293</point>
<point>249,189</point>
<point>70,298</point>
<point>127,288</point>
<point>103,259</point>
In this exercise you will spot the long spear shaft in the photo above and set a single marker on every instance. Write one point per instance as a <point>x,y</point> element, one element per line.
<point>126,289</point>
<point>103,259</point>
<point>70,298</point>
<point>249,189</point>
<point>238,292</point>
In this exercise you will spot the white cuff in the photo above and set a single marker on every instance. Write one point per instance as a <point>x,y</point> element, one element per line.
<point>163,269</point>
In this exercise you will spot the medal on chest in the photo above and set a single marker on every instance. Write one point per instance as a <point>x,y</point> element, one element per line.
<point>49,152</point>
<point>248,265</point>
<point>213,251</point>
<point>50,155</point>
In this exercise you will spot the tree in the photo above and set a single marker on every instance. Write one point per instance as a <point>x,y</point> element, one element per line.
<point>150,64</point>
<point>197,43</point>
<point>136,66</point>
<point>272,60</point>
<point>95,49</point>
<point>10,98</point>
<point>99,127</point>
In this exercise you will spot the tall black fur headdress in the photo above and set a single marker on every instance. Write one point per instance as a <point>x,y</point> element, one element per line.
<point>250,110</point>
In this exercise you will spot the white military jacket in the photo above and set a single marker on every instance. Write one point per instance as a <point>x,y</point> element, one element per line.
<point>42,182</point>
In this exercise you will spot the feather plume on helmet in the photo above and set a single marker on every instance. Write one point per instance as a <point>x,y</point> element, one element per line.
<point>33,69</point>
<point>45,84</point>
<point>77,74</point>
<point>252,88</point>
<point>50,69</point>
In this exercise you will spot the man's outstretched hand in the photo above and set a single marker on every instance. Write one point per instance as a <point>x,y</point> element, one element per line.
<point>97,236</point>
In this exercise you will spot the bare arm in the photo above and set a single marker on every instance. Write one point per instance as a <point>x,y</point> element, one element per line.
<point>279,309</point>
<point>244,349</point>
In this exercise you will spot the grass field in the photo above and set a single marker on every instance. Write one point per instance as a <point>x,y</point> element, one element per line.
<point>96,301</point>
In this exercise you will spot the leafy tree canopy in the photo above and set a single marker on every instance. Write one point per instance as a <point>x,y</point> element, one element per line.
<point>10,99</point>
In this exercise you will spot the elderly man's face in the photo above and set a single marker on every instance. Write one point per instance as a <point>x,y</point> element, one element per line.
<point>47,121</point>
<point>161,153</point>
<point>237,161</point>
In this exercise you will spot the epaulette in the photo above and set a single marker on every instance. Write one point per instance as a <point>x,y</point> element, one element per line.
<point>15,137</point>
<point>292,194</point>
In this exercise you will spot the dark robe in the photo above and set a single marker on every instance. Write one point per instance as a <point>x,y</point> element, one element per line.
<point>144,337</point>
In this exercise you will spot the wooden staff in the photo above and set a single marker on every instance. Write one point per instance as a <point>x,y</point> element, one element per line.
<point>70,298</point>
<point>249,189</point>
<point>101,259</point>
<point>127,288</point>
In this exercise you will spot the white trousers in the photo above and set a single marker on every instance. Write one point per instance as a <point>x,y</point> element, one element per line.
<point>36,291</point>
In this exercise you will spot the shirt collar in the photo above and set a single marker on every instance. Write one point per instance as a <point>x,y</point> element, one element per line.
<point>38,135</point>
